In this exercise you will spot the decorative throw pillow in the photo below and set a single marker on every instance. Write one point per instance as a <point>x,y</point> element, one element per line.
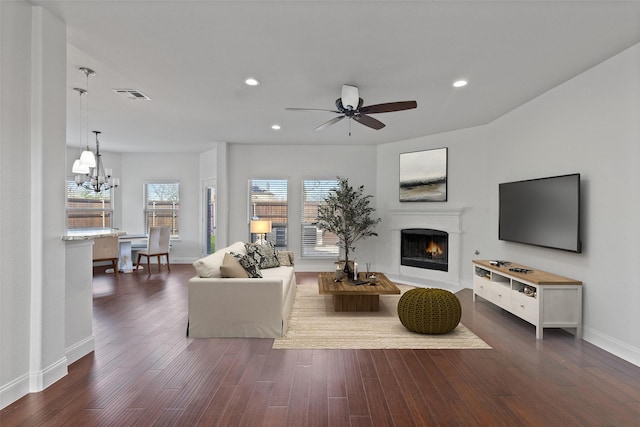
<point>249,265</point>
<point>209,266</point>
<point>232,268</point>
<point>264,255</point>
<point>285,258</point>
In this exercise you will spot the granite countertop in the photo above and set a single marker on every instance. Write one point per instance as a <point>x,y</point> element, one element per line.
<point>86,234</point>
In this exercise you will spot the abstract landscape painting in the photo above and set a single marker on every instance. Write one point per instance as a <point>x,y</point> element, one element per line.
<point>423,176</point>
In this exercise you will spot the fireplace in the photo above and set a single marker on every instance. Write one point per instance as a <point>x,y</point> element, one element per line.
<point>442,219</point>
<point>424,248</point>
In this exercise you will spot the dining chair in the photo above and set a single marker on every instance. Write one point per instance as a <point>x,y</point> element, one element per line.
<point>157,246</point>
<point>106,249</point>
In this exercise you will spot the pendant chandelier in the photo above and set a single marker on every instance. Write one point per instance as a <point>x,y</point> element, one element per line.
<point>90,172</point>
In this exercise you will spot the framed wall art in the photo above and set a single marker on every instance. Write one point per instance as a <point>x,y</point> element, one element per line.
<point>423,176</point>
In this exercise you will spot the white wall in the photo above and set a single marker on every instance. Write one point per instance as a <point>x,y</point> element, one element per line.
<point>15,23</point>
<point>588,125</point>
<point>32,157</point>
<point>295,163</point>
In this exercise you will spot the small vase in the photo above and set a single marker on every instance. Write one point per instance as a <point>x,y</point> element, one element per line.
<point>346,269</point>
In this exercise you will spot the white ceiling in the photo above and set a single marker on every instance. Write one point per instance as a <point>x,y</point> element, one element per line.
<point>192,57</point>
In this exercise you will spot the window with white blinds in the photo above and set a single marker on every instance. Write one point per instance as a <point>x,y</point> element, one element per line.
<point>316,243</point>
<point>268,201</point>
<point>87,209</point>
<point>162,205</point>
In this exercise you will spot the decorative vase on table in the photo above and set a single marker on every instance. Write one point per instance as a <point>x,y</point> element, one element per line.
<point>344,268</point>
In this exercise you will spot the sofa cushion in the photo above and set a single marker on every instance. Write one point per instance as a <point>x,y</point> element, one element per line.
<point>285,258</point>
<point>209,266</point>
<point>232,268</point>
<point>264,254</point>
<point>249,265</point>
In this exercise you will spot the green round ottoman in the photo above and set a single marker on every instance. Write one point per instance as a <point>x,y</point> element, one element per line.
<point>429,311</point>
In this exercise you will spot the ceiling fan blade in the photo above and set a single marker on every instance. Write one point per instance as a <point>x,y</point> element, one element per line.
<point>330,122</point>
<point>388,107</point>
<point>312,109</point>
<point>350,96</point>
<point>369,121</point>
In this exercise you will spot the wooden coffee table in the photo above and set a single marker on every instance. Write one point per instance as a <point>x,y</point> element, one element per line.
<point>350,297</point>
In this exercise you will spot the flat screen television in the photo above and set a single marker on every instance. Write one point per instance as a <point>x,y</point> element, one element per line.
<point>542,212</point>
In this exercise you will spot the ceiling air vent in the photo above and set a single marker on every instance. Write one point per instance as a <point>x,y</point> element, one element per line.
<point>132,94</point>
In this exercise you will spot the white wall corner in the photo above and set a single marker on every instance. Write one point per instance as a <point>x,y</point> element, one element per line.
<point>39,380</point>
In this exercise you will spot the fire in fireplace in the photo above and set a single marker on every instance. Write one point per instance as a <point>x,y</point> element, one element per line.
<point>425,248</point>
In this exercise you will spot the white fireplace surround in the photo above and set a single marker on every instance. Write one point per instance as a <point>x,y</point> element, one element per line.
<point>448,220</point>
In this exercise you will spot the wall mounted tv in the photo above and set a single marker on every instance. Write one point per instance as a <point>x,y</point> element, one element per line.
<point>542,212</point>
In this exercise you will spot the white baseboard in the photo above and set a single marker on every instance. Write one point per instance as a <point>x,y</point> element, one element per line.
<point>614,346</point>
<point>80,349</point>
<point>14,390</point>
<point>32,382</point>
<point>424,283</point>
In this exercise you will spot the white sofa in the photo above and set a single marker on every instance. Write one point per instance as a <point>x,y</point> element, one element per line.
<point>239,307</point>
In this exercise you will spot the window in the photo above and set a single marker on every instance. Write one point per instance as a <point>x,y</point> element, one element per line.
<point>87,209</point>
<point>162,205</point>
<point>316,243</point>
<point>268,200</point>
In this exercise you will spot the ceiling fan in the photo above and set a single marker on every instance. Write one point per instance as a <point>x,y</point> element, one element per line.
<point>349,105</point>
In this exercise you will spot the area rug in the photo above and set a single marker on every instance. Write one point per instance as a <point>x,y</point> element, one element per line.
<point>314,324</point>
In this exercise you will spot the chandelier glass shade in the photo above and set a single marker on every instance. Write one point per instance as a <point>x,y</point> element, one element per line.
<point>88,159</point>
<point>90,172</point>
<point>79,168</point>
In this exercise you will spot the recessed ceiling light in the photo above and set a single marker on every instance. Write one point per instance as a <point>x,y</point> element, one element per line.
<point>276,127</point>
<point>252,82</point>
<point>460,83</point>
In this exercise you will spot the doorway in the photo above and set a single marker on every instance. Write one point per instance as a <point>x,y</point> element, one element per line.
<point>210,215</point>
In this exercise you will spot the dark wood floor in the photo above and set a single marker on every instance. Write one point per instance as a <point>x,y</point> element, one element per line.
<point>145,372</point>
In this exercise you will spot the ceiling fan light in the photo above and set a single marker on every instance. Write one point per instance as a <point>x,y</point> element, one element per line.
<point>350,96</point>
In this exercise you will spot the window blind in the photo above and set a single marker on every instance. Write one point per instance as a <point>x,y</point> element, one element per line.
<point>162,205</point>
<point>86,209</point>
<point>316,243</point>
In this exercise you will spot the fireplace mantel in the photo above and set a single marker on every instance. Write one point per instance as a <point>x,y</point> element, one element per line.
<point>444,219</point>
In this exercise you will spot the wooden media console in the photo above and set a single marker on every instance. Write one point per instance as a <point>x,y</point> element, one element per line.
<point>543,299</point>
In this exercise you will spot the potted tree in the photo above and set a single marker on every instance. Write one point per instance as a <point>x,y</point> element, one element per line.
<point>346,213</point>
